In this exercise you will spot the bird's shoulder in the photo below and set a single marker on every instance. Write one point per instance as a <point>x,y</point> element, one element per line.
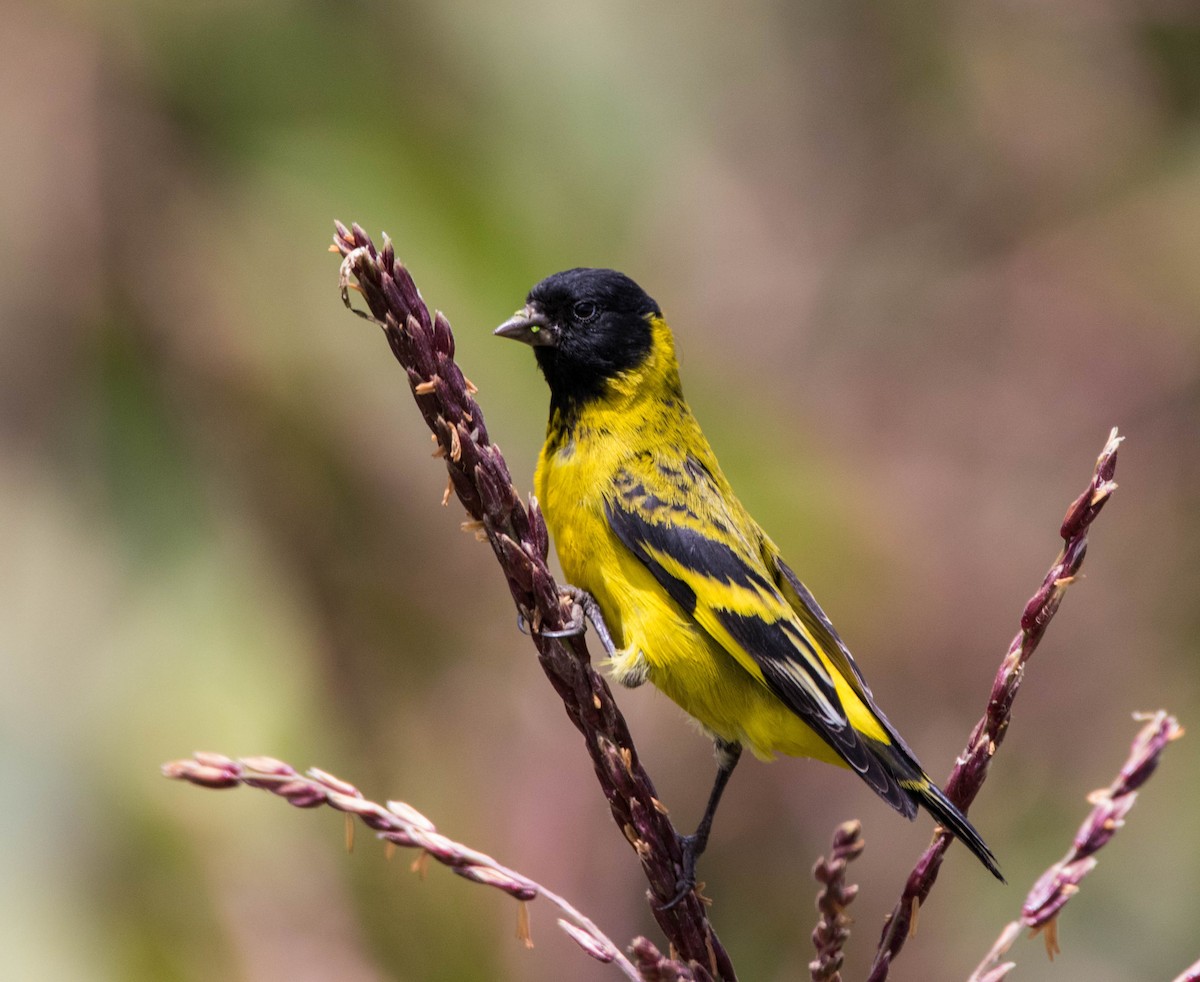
<point>682,487</point>
<point>675,511</point>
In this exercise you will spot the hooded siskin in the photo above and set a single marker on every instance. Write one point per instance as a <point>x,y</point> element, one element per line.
<point>696,596</point>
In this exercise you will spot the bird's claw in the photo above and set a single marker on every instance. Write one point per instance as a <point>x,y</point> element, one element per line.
<point>578,626</point>
<point>583,609</point>
<point>686,883</point>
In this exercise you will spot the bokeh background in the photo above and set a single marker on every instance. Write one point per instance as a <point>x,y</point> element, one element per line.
<point>919,259</point>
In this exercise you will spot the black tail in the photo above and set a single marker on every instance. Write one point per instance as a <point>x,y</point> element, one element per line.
<point>897,777</point>
<point>930,797</point>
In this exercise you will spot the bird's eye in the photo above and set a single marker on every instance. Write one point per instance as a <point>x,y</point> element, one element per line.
<point>585,310</point>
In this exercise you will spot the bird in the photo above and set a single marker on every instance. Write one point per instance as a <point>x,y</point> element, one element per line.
<point>696,598</point>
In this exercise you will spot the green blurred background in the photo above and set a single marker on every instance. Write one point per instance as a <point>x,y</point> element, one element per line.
<point>919,259</point>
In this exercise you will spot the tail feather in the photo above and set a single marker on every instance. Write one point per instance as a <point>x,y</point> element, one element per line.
<point>906,776</point>
<point>934,801</point>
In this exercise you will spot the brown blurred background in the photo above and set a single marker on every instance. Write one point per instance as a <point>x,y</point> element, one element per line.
<point>919,259</point>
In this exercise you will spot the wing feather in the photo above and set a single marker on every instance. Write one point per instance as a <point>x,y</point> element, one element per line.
<point>819,625</point>
<point>709,557</point>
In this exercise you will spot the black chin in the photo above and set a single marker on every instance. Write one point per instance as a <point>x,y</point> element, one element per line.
<point>572,383</point>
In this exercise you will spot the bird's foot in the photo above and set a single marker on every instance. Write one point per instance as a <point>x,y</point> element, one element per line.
<point>576,627</point>
<point>691,846</point>
<point>590,610</point>
<point>583,609</point>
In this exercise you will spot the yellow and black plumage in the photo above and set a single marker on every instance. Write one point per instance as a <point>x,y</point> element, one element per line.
<point>697,598</point>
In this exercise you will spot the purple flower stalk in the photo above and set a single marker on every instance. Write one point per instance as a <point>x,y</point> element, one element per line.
<point>835,895</point>
<point>1061,881</point>
<point>400,824</point>
<point>970,770</point>
<point>424,346</point>
<point>1112,804</point>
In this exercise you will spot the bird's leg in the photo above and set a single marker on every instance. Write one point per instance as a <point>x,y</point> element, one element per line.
<point>589,610</point>
<point>628,666</point>
<point>693,845</point>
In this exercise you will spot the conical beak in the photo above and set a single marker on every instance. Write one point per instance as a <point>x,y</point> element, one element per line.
<point>531,326</point>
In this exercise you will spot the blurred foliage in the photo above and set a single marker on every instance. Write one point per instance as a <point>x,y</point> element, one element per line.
<point>919,260</point>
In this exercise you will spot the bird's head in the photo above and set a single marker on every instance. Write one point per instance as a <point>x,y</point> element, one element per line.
<point>586,327</point>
